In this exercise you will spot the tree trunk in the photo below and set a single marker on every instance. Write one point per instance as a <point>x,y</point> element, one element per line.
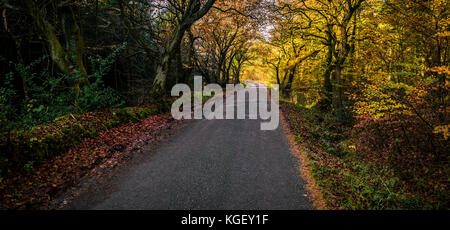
<point>327,86</point>
<point>162,72</point>
<point>277,72</point>
<point>287,89</point>
<point>57,52</point>
<point>338,107</point>
<point>283,81</point>
<point>337,92</point>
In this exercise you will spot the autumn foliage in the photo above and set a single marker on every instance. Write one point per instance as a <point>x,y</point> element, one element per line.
<point>370,80</point>
<point>365,84</point>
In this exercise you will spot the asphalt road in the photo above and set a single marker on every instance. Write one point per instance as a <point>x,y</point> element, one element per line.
<point>210,164</point>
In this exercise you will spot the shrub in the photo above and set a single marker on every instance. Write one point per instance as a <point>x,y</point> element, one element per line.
<point>361,168</point>
<point>405,125</point>
<point>54,95</point>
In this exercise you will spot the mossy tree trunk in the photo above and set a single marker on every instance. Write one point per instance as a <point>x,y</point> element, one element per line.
<point>60,55</point>
<point>190,14</point>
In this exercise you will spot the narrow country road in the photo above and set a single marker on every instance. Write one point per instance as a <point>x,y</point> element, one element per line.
<point>210,164</point>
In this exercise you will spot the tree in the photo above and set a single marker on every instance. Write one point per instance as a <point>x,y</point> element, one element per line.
<point>61,48</point>
<point>183,15</point>
<point>223,37</point>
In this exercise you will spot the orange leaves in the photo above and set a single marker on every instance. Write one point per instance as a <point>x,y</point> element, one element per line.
<point>440,70</point>
<point>442,129</point>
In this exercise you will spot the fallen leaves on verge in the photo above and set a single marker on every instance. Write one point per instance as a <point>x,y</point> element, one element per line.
<point>35,189</point>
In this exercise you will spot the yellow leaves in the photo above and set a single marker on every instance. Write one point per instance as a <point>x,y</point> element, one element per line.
<point>298,60</point>
<point>444,129</point>
<point>378,103</point>
<point>439,4</point>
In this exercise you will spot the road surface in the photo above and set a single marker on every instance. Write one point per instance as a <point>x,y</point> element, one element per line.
<point>210,164</point>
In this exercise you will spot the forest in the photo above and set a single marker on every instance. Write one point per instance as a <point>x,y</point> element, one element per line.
<point>364,87</point>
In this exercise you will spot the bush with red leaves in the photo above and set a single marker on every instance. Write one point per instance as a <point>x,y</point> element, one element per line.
<point>411,142</point>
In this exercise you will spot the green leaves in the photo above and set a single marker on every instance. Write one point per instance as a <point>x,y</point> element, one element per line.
<point>54,95</point>
<point>39,109</point>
